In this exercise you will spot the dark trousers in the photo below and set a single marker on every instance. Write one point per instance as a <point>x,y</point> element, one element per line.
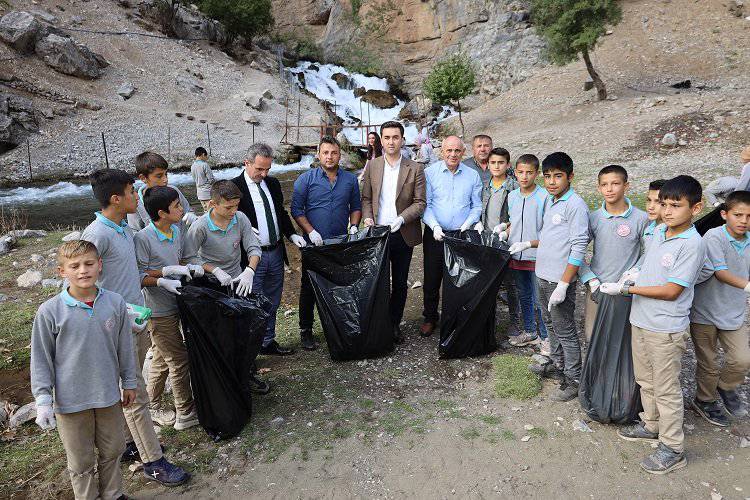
<point>269,280</point>
<point>400,256</point>
<point>433,275</point>
<point>561,328</point>
<point>306,302</point>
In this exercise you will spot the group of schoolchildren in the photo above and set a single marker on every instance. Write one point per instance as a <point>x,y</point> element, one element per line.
<point>681,285</point>
<point>93,334</point>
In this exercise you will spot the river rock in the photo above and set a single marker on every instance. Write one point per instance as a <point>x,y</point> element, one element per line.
<point>29,279</point>
<point>75,235</point>
<point>28,233</point>
<point>6,243</point>
<point>63,54</point>
<point>669,140</point>
<point>21,31</point>
<point>24,414</point>
<point>359,91</point>
<point>343,81</point>
<point>380,99</point>
<point>286,154</point>
<point>189,84</point>
<point>126,90</point>
<point>36,258</point>
<point>52,283</point>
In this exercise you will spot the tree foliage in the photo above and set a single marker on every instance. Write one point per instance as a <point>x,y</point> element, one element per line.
<point>451,80</point>
<point>245,18</point>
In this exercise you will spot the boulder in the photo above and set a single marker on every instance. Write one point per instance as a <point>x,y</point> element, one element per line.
<point>286,154</point>
<point>359,91</point>
<point>419,109</point>
<point>380,99</point>
<point>6,243</point>
<point>29,279</point>
<point>343,81</point>
<point>75,235</point>
<point>252,100</point>
<point>63,54</point>
<point>267,94</point>
<point>44,16</point>
<point>126,90</point>
<point>189,84</point>
<point>21,31</point>
<point>669,140</point>
<point>24,414</point>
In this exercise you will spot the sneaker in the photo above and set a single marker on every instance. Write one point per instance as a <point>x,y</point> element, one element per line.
<point>547,370</point>
<point>165,473</point>
<point>525,338</point>
<point>732,403</point>
<point>637,432</point>
<point>183,422</point>
<point>663,460</point>
<point>308,341</point>
<point>132,454</point>
<point>162,416</point>
<point>711,411</point>
<point>567,391</point>
<point>544,348</point>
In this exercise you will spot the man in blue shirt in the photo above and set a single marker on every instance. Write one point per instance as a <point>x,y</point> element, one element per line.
<point>325,203</point>
<point>454,202</point>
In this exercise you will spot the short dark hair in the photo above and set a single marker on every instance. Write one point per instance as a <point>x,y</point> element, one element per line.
<point>736,198</point>
<point>528,159</point>
<point>200,151</point>
<point>147,162</point>
<point>480,136</point>
<point>109,182</point>
<point>501,152</point>
<point>329,139</point>
<point>682,186</point>
<point>656,185</point>
<point>392,124</point>
<point>558,161</point>
<point>158,198</point>
<point>614,169</point>
<point>225,190</point>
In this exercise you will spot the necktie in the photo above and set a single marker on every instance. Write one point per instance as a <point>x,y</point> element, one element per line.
<point>272,237</point>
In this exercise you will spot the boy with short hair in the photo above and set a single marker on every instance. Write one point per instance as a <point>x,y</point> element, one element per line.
<point>718,314</point>
<point>81,351</point>
<point>561,248</point>
<point>203,177</point>
<point>495,217</point>
<point>662,295</point>
<point>151,169</point>
<point>159,249</point>
<point>526,214</point>
<point>616,230</point>
<point>114,191</point>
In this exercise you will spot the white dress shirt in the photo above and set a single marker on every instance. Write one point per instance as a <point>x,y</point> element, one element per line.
<point>387,212</point>
<point>260,210</point>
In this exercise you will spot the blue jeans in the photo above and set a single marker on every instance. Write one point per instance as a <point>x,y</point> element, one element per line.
<point>269,281</point>
<point>531,313</point>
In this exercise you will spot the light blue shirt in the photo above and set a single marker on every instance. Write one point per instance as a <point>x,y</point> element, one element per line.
<point>452,198</point>
<point>526,217</point>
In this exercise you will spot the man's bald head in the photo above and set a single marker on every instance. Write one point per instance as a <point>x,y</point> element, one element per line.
<point>453,151</point>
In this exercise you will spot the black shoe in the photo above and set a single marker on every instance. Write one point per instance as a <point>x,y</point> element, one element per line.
<point>398,337</point>
<point>547,370</point>
<point>732,403</point>
<point>132,454</point>
<point>663,460</point>
<point>711,411</point>
<point>308,342</point>
<point>637,432</point>
<point>259,386</point>
<point>274,349</point>
<point>567,391</point>
<point>166,473</point>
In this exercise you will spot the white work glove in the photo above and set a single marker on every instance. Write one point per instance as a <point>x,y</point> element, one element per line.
<point>479,226</point>
<point>244,282</point>
<point>611,288</point>
<point>397,223</point>
<point>315,238</point>
<point>45,417</point>
<point>189,218</point>
<point>594,285</point>
<point>196,270</point>
<point>353,229</point>
<point>175,271</point>
<point>437,233</point>
<point>747,288</point>
<point>519,247</point>
<point>630,275</point>
<point>503,236</point>
<point>368,222</point>
<point>224,278</point>
<point>172,286</point>
<point>466,225</point>
<point>558,295</point>
<point>500,228</point>
<point>298,240</point>
<point>135,327</point>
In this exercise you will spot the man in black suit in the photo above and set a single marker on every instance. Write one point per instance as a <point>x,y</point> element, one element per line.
<point>263,203</point>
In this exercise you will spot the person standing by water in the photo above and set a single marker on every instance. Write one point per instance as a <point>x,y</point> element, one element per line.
<point>202,176</point>
<point>374,150</point>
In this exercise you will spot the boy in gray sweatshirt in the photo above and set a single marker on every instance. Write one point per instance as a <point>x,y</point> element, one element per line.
<point>81,352</point>
<point>203,177</point>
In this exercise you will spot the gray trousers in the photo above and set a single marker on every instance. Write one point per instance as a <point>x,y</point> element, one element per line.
<point>561,328</point>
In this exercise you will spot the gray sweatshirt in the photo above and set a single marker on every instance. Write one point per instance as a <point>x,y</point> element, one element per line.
<point>204,179</point>
<point>140,219</point>
<point>81,354</point>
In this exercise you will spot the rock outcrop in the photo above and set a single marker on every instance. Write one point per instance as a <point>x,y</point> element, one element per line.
<point>63,54</point>
<point>21,31</point>
<point>17,120</point>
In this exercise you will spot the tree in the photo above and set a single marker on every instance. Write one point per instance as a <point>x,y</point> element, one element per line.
<point>574,26</point>
<point>245,18</point>
<point>451,80</point>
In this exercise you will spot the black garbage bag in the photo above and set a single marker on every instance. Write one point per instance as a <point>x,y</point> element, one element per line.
<point>223,335</point>
<point>608,392</point>
<point>350,276</point>
<point>473,270</point>
<point>709,221</point>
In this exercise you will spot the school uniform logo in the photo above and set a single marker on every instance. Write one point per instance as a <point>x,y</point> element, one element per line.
<point>557,219</point>
<point>667,260</point>
<point>236,243</point>
<point>623,230</point>
<point>109,324</point>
